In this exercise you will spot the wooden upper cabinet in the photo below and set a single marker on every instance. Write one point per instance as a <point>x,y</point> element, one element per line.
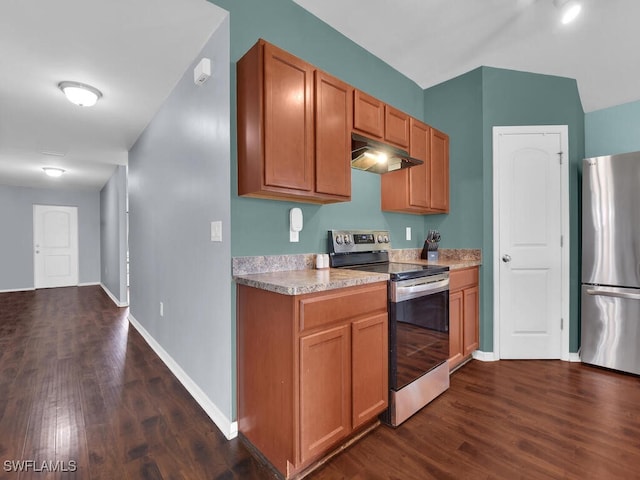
<point>419,175</point>
<point>439,168</point>
<point>396,127</point>
<point>368,115</point>
<point>288,120</point>
<point>422,189</point>
<point>333,120</point>
<point>277,120</point>
<point>374,119</point>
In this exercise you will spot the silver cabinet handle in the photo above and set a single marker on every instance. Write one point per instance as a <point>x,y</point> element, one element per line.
<point>609,293</point>
<point>506,258</point>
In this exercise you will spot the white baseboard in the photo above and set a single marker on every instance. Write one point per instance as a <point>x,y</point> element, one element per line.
<point>11,290</point>
<point>113,297</point>
<point>484,356</point>
<point>228,428</point>
<point>574,357</point>
<point>490,356</point>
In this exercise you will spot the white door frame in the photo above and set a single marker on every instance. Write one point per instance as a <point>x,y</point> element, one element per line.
<point>563,130</point>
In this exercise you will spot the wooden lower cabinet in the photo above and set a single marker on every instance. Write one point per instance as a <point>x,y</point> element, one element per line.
<point>369,364</point>
<point>464,301</point>
<point>312,370</point>
<point>325,397</point>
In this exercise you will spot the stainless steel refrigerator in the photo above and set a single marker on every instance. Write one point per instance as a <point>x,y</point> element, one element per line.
<point>610,316</point>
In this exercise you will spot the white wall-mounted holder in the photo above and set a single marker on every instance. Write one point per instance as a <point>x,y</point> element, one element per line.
<point>295,224</point>
<point>202,72</point>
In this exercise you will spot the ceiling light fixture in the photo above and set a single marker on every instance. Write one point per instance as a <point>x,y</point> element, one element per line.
<point>80,94</point>
<point>53,171</point>
<point>569,10</point>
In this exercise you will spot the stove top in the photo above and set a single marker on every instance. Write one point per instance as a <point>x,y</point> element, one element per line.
<point>400,271</point>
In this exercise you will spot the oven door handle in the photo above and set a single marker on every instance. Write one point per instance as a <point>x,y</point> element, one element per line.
<point>421,290</point>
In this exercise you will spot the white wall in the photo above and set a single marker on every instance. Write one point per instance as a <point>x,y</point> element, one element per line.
<point>16,233</point>
<point>178,181</point>
<point>113,235</point>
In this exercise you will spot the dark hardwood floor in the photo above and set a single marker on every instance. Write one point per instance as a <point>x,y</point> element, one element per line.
<point>80,387</point>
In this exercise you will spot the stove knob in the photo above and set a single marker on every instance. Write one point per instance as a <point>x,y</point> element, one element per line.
<point>347,239</point>
<point>339,239</point>
<point>380,238</point>
<point>386,239</point>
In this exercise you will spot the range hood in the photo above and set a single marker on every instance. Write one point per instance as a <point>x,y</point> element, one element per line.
<point>377,157</point>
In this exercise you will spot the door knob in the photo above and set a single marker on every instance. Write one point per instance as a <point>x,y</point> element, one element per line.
<point>506,258</point>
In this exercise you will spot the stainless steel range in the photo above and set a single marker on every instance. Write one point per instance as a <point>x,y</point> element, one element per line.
<point>418,318</point>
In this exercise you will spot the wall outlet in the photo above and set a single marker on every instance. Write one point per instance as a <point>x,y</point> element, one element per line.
<point>408,233</point>
<point>162,309</point>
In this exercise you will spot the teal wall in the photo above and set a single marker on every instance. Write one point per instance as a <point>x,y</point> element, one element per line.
<point>518,98</point>
<point>455,107</point>
<point>613,130</point>
<point>260,227</point>
<point>467,108</point>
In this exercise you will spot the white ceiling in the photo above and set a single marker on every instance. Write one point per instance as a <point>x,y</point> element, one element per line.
<point>134,51</point>
<point>431,41</point>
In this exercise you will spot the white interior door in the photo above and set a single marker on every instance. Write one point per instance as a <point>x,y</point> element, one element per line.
<point>529,216</point>
<point>55,242</point>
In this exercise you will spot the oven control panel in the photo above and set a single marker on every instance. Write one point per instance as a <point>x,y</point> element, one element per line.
<point>346,241</point>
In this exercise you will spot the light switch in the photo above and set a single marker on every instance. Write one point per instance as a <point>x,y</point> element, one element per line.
<point>408,233</point>
<point>216,231</point>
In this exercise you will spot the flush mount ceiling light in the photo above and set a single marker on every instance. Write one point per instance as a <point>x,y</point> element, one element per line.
<point>569,10</point>
<point>53,171</point>
<point>80,94</point>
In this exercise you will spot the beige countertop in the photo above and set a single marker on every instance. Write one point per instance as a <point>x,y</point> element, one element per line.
<point>298,282</point>
<point>295,275</point>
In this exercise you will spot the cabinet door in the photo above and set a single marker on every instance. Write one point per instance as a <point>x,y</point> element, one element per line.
<point>325,396</point>
<point>396,127</point>
<point>419,176</point>
<point>370,376</point>
<point>456,312</point>
<point>334,117</point>
<point>368,115</point>
<point>439,169</point>
<point>288,120</point>
<point>471,316</point>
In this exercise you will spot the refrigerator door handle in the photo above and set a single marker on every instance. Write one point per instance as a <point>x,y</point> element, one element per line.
<point>613,293</point>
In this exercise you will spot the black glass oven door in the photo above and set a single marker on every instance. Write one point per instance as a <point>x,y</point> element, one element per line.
<point>418,337</point>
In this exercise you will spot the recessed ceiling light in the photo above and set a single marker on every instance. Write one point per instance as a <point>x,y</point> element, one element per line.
<point>80,93</point>
<point>53,171</point>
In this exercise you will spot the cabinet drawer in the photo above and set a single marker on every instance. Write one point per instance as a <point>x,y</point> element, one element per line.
<point>459,279</point>
<point>343,304</point>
